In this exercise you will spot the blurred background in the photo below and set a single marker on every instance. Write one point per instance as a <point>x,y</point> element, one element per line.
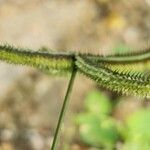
<point>30,100</point>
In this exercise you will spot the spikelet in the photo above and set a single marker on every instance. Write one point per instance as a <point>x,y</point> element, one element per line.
<point>128,83</point>
<point>52,62</point>
<point>128,73</point>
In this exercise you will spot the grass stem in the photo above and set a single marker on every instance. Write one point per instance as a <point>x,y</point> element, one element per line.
<point>62,113</point>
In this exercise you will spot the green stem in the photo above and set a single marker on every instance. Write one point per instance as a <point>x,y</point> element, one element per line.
<point>62,113</point>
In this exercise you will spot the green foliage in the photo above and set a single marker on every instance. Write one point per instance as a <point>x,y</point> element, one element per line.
<point>99,129</point>
<point>96,127</point>
<point>137,131</point>
<point>137,124</point>
<point>97,103</point>
<point>96,131</point>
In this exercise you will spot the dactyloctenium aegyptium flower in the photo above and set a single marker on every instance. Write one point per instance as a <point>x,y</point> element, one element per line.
<point>127,73</point>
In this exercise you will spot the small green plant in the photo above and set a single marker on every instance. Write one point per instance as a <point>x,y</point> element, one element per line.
<point>137,133</point>
<point>127,73</point>
<point>96,126</point>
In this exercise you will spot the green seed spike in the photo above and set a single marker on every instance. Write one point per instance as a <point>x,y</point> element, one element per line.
<point>128,83</point>
<point>128,73</point>
<point>137,62</point>
<point>124,58</point>
<point>141,66</point>
<point>53,63</point>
